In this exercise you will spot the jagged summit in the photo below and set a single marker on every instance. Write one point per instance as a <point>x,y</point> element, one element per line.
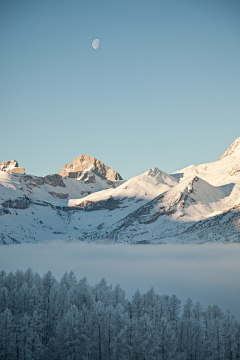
<point>87,202</point>
<point>160,176</point>
<point>195,195</point>
<point>11,166</point>
<point>85,163</point>
<point>233,149</point>
<point>144,187</point>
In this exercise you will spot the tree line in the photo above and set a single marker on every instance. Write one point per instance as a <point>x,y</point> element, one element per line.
<point>42,318</point>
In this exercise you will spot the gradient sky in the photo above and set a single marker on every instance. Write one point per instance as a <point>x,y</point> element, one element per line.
<point>162,89</point>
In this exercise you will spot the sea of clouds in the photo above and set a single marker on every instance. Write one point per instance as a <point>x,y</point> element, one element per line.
<point>208,273</point>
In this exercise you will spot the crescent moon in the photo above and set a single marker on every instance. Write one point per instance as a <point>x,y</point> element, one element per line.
<point>95,44</point>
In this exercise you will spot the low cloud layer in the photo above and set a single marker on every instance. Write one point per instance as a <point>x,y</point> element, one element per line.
<point>208,273</point>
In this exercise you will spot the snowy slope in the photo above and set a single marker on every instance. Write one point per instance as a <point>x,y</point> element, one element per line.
<point>52,188</point>
<point>224,171</point>
<point>30,205</point>
<point>196,204</point>
<point>144,187</point>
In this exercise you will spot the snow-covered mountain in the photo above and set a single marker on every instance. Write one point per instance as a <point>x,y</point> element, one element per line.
<point>89,202</point>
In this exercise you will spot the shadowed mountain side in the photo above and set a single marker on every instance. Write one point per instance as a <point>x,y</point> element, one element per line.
<point>122,214</point>
<point>55,222</point>
<point>223,227</point>
<point>143,187</point>
<point>50,187</point>
<point>196,204</point>
<point>159,219</point>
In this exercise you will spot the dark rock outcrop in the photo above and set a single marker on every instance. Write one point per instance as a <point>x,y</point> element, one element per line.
<point>53,180</point>
<point>19,203</point>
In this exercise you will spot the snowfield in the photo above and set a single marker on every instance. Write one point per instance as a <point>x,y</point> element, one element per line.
<point>198,204</point>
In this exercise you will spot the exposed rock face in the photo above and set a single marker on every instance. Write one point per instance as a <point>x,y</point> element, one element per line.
<point>11,166</point>
<point>233,149</point>
<point>54,180</point>
<point>58,195</point>
<point>18,170</point>
<point>8,164</point>
<point>84,163</point>
<point>235,170</point>
<point>19,203</point>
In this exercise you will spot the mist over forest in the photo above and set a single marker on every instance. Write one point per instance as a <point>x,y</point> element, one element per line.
<point>208,273</point>
<point>42,318</point>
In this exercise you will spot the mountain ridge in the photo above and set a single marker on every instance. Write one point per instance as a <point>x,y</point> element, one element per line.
<point>154,207</point>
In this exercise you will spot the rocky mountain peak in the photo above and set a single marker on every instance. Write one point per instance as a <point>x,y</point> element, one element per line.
<point>233,149</point>
<point>85,163</point>
<point>11,166</point>
<point>154,171</point>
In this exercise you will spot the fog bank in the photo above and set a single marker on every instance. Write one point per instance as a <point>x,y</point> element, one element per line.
<point>208,273</point>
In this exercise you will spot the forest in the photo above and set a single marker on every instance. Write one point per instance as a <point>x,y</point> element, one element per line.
<point>42,318</point>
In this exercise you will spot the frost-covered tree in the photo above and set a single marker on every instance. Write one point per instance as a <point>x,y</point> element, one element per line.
<point>3,299</point>
<point>41,319</point>
<point>7,335</point>
<point>118,296</point>
<point>174,305</point>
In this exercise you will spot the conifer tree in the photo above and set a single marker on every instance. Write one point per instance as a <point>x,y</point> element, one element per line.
<point>41,319</point>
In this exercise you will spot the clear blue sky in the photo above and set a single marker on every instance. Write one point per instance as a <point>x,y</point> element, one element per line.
<point>162,89</point>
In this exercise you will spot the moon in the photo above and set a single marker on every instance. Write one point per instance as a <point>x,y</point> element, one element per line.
<point>95,44</point>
